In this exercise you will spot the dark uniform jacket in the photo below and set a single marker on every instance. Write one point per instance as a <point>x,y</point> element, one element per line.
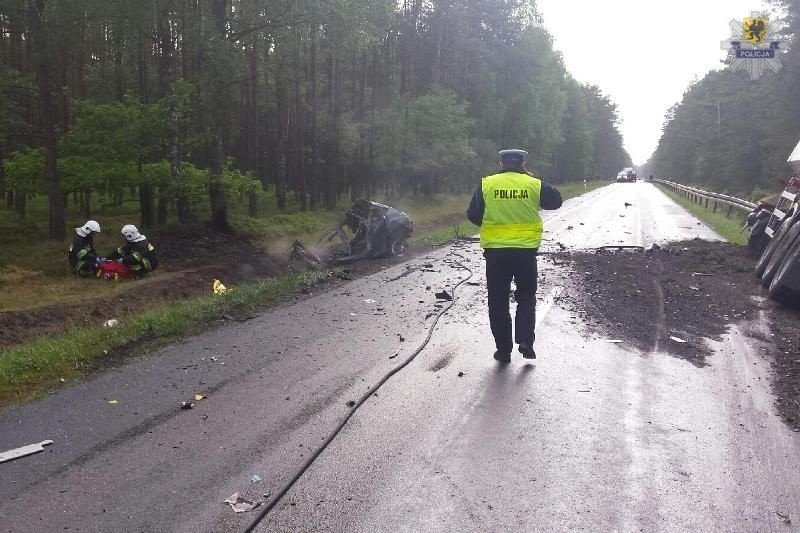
<point>550,199</point>
<point>82,251</point>
<point>139,256</point>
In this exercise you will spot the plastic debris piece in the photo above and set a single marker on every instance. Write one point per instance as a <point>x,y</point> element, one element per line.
<point>30,449</point>
<point>393,356</point>
<point>351,403</point>
<point>370,301</point>
<point>241,505</point>
<point>461,374</point>
<point>255,478</point>
<point>443,296</point>
<point>678,340</point>
<point>198,397</point>
<point>187,405</point>
<point>218,287</point>
<point>694,288</point>
<point>701,274</point>
<point>110,323</point>
<point>613,341</point>
<point>113,402</point>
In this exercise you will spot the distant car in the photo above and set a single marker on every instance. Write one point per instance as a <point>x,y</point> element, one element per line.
<point>627,175</point>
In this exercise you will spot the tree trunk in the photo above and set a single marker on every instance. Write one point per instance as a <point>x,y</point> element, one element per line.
<point>20,204</point>
<point>216,190</point>
<point>166,75</point>
<point>39,43</point>
<point>299,125</point>
<point>253,127</point>
<point>314,118</point>
<point>281,127</point>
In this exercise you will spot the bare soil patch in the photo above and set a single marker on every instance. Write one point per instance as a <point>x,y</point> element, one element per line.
<point>687,291</point>
<point>190,258</point>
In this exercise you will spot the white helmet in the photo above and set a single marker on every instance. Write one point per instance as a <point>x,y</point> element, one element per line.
<point>132,234</point>
<point>89,227</point>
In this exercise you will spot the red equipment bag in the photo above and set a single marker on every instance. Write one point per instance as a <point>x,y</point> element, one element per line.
<point>113,270</point>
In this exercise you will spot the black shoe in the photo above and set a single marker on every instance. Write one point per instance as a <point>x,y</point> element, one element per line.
<point>527,351</point>
<point>502,357</point>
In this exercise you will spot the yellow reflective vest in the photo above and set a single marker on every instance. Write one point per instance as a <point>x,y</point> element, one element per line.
<point>511,216</point>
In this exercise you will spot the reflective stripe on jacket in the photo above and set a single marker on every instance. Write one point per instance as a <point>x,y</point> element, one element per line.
<point>511,218</point>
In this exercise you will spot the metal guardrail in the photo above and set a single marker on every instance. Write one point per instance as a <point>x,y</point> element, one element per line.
<point>699,196</point>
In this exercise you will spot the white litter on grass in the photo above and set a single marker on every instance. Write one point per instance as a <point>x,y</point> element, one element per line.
<point>241,505</point>
<point>676,339</point>
<point>110,323</point>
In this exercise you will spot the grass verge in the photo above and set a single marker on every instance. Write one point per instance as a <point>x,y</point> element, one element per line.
<point>728,227</point>
<point>28,370</point>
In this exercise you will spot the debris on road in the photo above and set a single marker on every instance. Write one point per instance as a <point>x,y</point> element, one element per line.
<point>444,295</point>
<point>241,505</point>
<point>701,274</point>
<point>254,479</point>
<point>393,356</point>
<point>187,405</point>
<point>784,516</point>
<point>613,341</point>
<point>461,374</point>
<point>199,397</point>
<point>678,340</point>
<point>370,301</point>
<point>627,205</point>
<point>22,451</point>
<point>694,288</point>
<point>351,403</point>
<point>218,287</point>
<point>113,402</point>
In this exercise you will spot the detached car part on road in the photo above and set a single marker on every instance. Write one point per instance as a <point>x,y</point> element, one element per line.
<point>779,264</point>
<point>369,230</point>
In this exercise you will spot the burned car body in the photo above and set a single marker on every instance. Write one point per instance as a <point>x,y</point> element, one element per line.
<point>378,230</point>
<point>369,230</point>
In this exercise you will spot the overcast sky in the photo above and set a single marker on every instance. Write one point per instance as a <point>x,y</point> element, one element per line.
<point>644,54</point>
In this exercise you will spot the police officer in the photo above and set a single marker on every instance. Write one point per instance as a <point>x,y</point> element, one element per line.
<point>82,255</point>
<point>506,207</point>
<point>136,252</point>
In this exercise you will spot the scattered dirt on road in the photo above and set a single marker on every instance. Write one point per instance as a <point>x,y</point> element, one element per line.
<point>672,299</point>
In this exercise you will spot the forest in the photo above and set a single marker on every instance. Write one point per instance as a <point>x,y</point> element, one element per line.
<point>186,105</point>
<point>732,134</point>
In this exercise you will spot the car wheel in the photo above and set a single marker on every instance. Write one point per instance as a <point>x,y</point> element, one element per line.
<point>771,248</point>
<point>399,248</point>
<point>780,253</point>
<point>778,290</point>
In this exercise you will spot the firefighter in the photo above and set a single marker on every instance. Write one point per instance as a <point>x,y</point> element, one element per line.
<point>136,252</point>
<point>82,255</point>
<point>506,207</point>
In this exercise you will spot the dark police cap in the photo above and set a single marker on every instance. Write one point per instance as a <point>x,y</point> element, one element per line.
<point>513,155</point>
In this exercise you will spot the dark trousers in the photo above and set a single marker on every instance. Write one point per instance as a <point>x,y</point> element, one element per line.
<point>503,265</point>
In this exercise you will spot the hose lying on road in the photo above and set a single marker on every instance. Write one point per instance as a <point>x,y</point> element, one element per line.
<point>307,464</point>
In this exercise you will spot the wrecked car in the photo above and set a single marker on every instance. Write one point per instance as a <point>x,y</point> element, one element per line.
<point>369,230</point>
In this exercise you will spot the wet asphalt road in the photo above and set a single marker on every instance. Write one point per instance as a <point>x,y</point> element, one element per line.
<point>591,436</point>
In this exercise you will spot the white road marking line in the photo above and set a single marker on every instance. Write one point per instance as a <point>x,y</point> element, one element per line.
<point>547,304</point>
